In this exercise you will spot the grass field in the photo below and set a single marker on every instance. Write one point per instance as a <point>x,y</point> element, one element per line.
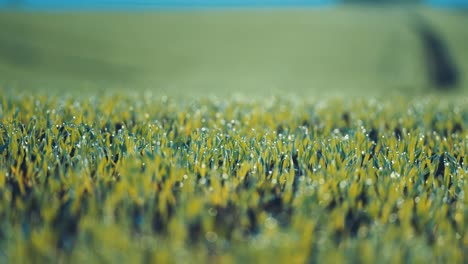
<point>121,140</point>
<point>146,179</point>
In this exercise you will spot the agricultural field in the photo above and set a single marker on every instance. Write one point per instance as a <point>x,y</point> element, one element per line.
<point>214,137</point>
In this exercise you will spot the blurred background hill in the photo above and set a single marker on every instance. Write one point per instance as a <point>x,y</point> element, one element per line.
<point>225,47</point>
<point>112,4</point>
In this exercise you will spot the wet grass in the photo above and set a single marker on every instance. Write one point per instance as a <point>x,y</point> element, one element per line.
<point>92,174</point>
<point>154,179</point>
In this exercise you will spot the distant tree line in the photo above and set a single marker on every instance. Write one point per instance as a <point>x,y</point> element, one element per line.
<point>382,1</point>
<point>19,2</point>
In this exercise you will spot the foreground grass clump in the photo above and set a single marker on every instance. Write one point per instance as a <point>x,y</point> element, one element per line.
<point>123,179</point>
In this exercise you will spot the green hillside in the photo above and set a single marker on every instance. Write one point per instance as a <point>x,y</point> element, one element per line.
<point>317,51</point>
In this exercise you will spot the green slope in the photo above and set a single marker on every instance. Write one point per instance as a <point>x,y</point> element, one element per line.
<point>317,51</point>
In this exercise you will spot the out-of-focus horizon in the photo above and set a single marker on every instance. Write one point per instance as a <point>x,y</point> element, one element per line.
<point>402,47</point>
<point>128,4</point>
<point>53,4</point>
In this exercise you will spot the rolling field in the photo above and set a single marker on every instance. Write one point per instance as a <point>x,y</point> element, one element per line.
<point>269,136</point>
<point>352,51</point>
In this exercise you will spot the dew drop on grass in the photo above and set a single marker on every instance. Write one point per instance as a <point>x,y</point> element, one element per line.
<point>212,212</point>
<point>400,202</point>
<point>394,175</point>
<point>393,217</point>
<point>343,184</point>
<point>270,222</point>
